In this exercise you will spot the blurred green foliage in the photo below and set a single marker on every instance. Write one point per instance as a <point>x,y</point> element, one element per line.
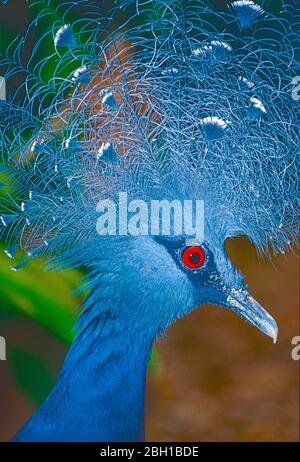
<point>31,375</point>
<point>44,297</point>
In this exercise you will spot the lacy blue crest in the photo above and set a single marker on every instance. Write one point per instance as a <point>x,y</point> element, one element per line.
<point>160,99</point>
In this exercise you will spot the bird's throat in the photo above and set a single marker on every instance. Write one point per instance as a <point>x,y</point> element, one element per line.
<point>99,395</point>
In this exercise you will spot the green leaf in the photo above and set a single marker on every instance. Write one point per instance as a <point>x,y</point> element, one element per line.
<point>6,313</point>
<point>45,297</point>
<point>31,375</point>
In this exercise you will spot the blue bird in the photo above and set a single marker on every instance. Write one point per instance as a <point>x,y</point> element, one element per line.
<point>166,100</point>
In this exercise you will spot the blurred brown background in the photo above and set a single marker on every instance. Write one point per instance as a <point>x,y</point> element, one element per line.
<point>217,378</point>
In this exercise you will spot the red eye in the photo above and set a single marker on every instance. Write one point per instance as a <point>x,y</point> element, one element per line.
<point>193,257</point>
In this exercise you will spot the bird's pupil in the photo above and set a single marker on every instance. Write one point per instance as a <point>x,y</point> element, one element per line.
<point>194,258</point>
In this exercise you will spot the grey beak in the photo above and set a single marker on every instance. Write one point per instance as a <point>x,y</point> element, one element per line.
<point>241,302</point>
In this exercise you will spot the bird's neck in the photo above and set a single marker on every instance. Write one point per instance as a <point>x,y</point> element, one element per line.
<point>105,373</point>
<point>99,395</point>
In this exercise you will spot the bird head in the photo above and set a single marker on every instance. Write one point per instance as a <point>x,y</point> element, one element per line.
<point>193,104</point>
<point>212,278</point>
<point>161,279</point>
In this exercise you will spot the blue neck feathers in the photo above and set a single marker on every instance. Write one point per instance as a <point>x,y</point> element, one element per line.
<point>99,395</point>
